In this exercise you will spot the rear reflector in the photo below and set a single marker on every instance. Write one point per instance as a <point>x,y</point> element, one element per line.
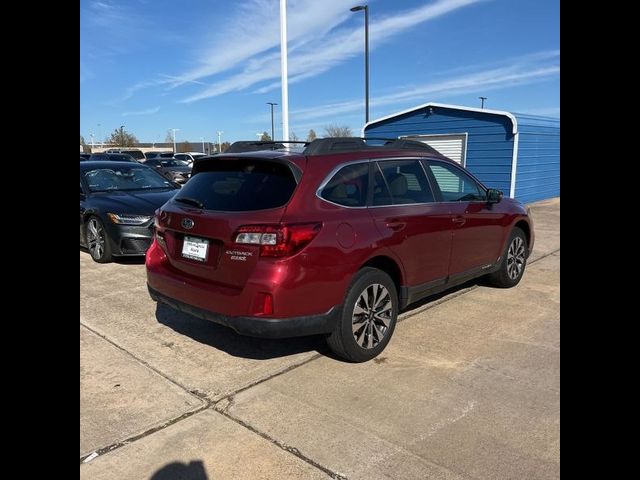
<point>263,304</point>
<point>278,240</point>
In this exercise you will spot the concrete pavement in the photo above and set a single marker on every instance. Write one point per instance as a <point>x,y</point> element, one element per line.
<point>467,388</point>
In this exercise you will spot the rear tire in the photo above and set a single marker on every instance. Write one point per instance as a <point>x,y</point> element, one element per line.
<point>368,318</point>
<point>513,263</point>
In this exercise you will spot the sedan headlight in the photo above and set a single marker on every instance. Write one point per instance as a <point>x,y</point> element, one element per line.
<point>128,219</point>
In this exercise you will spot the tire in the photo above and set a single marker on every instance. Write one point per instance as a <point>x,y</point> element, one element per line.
<point>513,263</point>
<point>372,334</point>
<point>97,240</point>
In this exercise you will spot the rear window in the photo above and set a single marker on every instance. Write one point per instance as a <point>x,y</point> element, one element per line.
<point>137,154</point>
<point>348,186</point>
<point>241,186</point>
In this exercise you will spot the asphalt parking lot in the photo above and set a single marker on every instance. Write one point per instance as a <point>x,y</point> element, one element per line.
<point>468,388</point>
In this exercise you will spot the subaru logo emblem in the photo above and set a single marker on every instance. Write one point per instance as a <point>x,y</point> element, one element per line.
<point>187,223</point>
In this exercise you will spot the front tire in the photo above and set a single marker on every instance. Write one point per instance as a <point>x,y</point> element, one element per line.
<point>368,319</point>
<point>514,261</point>
<point>97,241</point>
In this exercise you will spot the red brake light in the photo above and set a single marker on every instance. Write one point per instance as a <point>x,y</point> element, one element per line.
<point>278,240</point>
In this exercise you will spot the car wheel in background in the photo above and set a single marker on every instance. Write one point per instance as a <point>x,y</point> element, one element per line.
<point>97,241</point>
<point>513,263</point>
<point>368,317</point>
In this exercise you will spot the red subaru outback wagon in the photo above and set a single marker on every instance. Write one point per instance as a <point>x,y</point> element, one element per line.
<point>335,240</point>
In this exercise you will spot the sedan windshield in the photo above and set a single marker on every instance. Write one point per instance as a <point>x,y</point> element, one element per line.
<point>125,178</point>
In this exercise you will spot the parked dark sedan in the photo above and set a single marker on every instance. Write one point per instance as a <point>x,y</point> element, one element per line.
<point>117,203</point>
<point>176,170</point>
<point>84,156</point>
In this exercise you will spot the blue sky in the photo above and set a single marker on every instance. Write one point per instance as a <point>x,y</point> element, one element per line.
<point>207,66</point>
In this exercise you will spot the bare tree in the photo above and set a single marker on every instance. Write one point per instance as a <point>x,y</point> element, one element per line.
<point>293,137</point>
<point>122,138</point>
<point>312,135</point>
<point>225,145</point>
<point>169,137</point>
<point>337,131</point>
<point>265,137</point>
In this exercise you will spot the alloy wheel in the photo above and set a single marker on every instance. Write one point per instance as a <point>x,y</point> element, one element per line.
<point>95,238</point>
<point>372,316</point>
<point>515,258</point>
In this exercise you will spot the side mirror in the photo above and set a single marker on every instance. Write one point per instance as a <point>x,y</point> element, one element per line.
<point>494,195</point>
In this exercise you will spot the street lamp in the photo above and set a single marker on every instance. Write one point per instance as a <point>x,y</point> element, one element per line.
<point>174,130</point>
<point>202,138</point>
<point>366,56</point>
<point>122,135</point>
<point>482,99</point>
<point>219,143</point>
<point>272,104</point>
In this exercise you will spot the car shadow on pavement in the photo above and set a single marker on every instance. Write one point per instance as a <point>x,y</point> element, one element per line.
<point>225,339</point>
<point>194,470</point>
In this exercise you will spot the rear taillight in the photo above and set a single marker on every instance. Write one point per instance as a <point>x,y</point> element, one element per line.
<point>278,240</point>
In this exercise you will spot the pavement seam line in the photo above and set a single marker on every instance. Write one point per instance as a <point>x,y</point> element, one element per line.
<point>208,403</point>
<point>287,448</point>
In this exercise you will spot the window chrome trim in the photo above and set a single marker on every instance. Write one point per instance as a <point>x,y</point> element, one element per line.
<point>369,160</point>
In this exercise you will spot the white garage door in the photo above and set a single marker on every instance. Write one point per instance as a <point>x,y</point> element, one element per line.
<point>453,146</point>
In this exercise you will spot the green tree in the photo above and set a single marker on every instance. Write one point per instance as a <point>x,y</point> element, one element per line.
<point>265,137</point>
<point>337,131</point>
<point>312,135</point>
<point>122,138</point>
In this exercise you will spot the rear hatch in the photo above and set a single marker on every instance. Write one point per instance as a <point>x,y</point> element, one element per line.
<point>200,224</point>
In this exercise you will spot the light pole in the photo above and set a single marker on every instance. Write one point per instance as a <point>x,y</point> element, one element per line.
<point>272,134</point>
<point>122,135</point>
<point>366,56</point>
<point>219,142</point>
<point>100,134</point>
<point>482,99</point>
<point>202,138</point>
<point>91,135</point>
<point>284,70</point>
<point>174,130</point>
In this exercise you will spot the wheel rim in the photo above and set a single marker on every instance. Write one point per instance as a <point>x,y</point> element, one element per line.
<point>515,258</point>
<point>371,317</point>
<point>95,238</point>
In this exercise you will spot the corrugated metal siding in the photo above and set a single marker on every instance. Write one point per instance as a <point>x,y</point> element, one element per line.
<point>489,141</point>
<point>538,168</point>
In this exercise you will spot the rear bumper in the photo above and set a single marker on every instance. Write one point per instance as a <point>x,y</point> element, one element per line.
<point>257,326</point>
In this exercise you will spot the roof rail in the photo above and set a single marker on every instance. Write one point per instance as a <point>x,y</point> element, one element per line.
<point>257,145</point>
<point>323,146</point>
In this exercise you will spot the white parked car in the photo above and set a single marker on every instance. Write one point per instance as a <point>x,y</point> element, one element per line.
<point>189,157</point>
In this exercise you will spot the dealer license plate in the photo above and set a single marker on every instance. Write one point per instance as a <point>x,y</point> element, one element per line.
<point>195,248</point>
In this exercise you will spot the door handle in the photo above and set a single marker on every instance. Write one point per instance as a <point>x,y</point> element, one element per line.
<point>459,220</point>
<point>396,225</point>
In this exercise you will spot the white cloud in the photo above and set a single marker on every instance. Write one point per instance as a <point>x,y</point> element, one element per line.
<point>149,111</point>
<point>315,44</point>
<point>523,70</point>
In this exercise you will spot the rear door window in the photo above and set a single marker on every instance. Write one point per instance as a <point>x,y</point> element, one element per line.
<point>401,182</point>
<point>240,185</point>
<point>348,186</point>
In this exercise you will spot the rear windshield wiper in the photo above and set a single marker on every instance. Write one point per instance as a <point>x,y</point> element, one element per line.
<point>189,201</point>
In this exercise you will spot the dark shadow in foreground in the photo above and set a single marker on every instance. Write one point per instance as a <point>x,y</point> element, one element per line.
<point>181,471</point>
<point>225,339</point>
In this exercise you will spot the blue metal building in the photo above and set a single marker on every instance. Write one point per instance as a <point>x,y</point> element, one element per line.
<point>516,153</point>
